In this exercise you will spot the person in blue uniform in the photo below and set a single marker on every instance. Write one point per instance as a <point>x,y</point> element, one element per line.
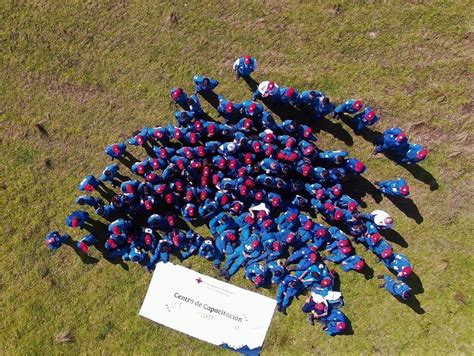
<point>364,119</point>
<point>398,289</point>
<point>289,288</point>
<point>86,242</point>
<point>115,150</point>
<point>397,187</point>
<point>244,66</point>
<point>54,239</point>
<point>351,106</point>
<point>77,219</point>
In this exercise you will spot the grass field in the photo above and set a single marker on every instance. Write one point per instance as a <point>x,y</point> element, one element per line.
<point>91,72</point>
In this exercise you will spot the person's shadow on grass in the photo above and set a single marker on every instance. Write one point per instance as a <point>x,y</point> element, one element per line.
<point>408,207</point>
<point>393,236</point>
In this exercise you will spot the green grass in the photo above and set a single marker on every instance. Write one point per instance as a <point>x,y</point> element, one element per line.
<point>92,72</point>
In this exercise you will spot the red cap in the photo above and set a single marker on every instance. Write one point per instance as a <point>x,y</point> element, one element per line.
<point>276,245</point>
<point>258,279</point>
<point>307,132</point>
<point>338,215</point>
<point>401,137</point>
<point>252,108</point>
<point>357,105</point>
<point>150,177</point>
<point>329,206</point>
<point>290,237</point>
<point>193,137</point>
<point>308,150</point>
<point>341,326</point>
<point>247,60</point>
<point>261,214</point>
<point>88,188</point>
<point>201,151</point>
<point>163,153</point>
<point>359,167</point>
<point>422,154</point>
<point>275,201</point>
<point>257,146</point>
<point>370,115</point>
<point>203,195</point>
<point>74,222</point>
<point>290,92</point>
<point>191,211</point>
<point>116,230</point>
<point>233,164</point>
<point>352,206</point>
<point>375,238</point>
<point>359,265</point>
<point>405,190</point>
<point>116,148</point>
<point>83,247</point>
<point>258,196</point>
<point>407,271</point>
<point>148,239</point>
<point>271,85</point>
<point>215,179</point>
<point>198,125</point>
<point>169,198</point>
<point>243,190</point>
<point>178,134</point>
<point>170,219</point>
<point>158,134</point>
<point>325,282</point>
<point>176,93</point>
<point>249,219</point>
<point>236,207</point>
<point>241,172</point>
<point>387,253</point>
<point>221,163</point>
<point>140,169</point>
<point>224,199</point>
<point>320,306</point>
<point>129,188</point>
<point>229,107</point>
<point>306,170</point>
<point>343,243</point>
<point>255,244</point>
<point>308,225</point>
<point>179,185</point>
<point>320,194</point>
<point>313,257</point>
<point>249,183</point>
<point>269,150</point>
<point>175,240</point>
<point>321,232</point>
<point>247,124</point>
<point>206,171</point>
<point>267,223</point>
<point>290,142</point>
<point>346,250</point>
<point>211,129</point>
<point>140,139</point>
<point>248,158</point>
<point>292,217</point>
<point>112,243</point>
<point>148,204</point>
<point>268,138</point>
<point>336,190</point>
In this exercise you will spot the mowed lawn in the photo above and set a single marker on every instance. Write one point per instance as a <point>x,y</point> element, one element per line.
<point>92,72</point>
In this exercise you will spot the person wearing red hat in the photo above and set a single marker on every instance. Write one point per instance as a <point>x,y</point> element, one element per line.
<point>228,109</point>
<point>397,187</point>
<point>398,289</point>
<point>54,239</point>
<point>77,219</point>
<point>355,166</point>
<point>256,274</point>
<point>119,227</point>
<point>414,154</point>
<point>399,264</point>
<point>227,241</point>
<point>88,184</point>
<point>351,106</point>
<point>335,322</point>
<point>242,254</point>
<point>115,150</point>
<point>184,118</point>
<point>394,141</point>
<point>364,119</point>
<point>139,137</point>
<point>287,95</point>
<point>353,263</point>
<point>161,253</point>
<point>289,288</point>
<point>244,66</point>
<point>189,212</point>
<point>86,242</point>
<point>179,96</point>
<point>251,109</point>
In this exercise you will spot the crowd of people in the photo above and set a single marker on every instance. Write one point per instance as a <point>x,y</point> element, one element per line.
<point>257,184</point>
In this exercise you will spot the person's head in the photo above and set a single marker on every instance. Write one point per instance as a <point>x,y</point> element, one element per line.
<point>176,93</point>
<point>290,92</point>
<point>275,201</point>
<point>231,236</point>
<point>255,244</point>
<point>388,221</point>
<point>326,282</point>
<point>229,108</point>
<point>258,280</point>
<point>370,115</point>
<point>321,233</point>
<point>312,95</point>
<point>252,108</point>
<point>359,167</point>
<point>359,266</point>
<point>325,101</point>
<point>346,250</point>
<point>308,225</point>
<point>116,148</point>
<point>313,257</point>
<point>388,252</point>
<point>205,82</point>
<point>407,271</point>
<point>406,294</point>
<point>375,238</point>
<point>112,243</point>
<point>401,137</point>
<point>247,60</point>
<point>405,190</point>
<point>421,154</point>
<point>74,222</point>
<point>357,105</point>
<point>352,206</point>
<point>341,326</point>
<point>290,237</point>
<point>338,215</point>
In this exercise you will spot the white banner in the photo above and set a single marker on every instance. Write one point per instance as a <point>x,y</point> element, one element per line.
<point>208,309</point>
